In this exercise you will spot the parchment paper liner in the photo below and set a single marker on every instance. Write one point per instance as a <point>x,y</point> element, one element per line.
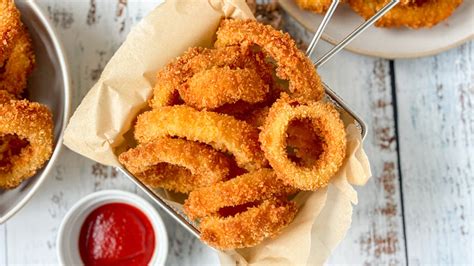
<point>98,127</point>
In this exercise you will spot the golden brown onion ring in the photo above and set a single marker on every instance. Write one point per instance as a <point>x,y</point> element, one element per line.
<point>247,188</point>
<point>33,123</point>
<point>212,88</point>
<point>176,74</point>
<point>18,66</point>
<point>317,6</point>
<point>292,64</point>
<point>326,123</point>
<point>206,165</point>
<point>248,228</point>
<point>411,13</point>
<point>223,132</point>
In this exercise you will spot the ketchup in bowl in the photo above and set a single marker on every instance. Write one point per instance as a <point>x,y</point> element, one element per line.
<point>116,234</point>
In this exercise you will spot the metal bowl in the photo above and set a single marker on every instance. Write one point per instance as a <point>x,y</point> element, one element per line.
<point>49,84</point>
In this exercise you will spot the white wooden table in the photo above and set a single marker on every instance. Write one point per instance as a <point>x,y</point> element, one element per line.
<point>417,209</point>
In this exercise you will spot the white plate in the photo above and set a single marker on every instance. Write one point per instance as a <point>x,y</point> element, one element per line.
<point>391,43</point>
<point>49,84</point>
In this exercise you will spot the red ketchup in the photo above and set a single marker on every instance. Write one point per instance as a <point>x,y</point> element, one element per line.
<point>116,234</point>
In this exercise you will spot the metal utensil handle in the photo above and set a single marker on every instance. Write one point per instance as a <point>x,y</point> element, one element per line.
<point>361,28</point>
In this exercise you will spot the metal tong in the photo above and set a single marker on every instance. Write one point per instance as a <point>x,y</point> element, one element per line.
<point>361,28</point>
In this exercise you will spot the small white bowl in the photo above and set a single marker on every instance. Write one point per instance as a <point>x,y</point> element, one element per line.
<point>68,235</point>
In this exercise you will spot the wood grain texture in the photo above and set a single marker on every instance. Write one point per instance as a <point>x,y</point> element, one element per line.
<point>376,236</point>
<point>3,244</point>
<point>436,130</point>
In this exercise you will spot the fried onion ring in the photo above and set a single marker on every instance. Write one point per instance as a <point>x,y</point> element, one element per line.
<point>215,87</point>
<point>33,123</point>
<point>411,13</point>
<point>206,165</point>
<point>317,6</point>
<point>223,132</point>
<point>18,66</point>
<point>10,28</point>
<point>248,228</point>
<point>292,64</point>
<point>259,185</point>
<point>325,122</point>
<point>176,74</point>
<point>170,177</point>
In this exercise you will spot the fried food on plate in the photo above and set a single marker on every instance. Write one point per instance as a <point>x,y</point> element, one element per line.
<point>250,227</point>
<point>291,63</point>
<point>410,13</point>
<point>317,6</point>
<point>231,64</point>
<point>10,28</point>
<point>223,132</point>
<point>247,188</point>
<point>27,128</point>
<point>6,97</point>
<point>325,122</point>
<point>206,165</point>
<point>215,87</point>
<point>170,177</point>
<point>18,65</point>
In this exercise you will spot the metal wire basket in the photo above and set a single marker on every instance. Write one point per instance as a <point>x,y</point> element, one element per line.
<point>346,112</point>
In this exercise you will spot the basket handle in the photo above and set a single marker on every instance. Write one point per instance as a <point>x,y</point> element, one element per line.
<point>361,28</point>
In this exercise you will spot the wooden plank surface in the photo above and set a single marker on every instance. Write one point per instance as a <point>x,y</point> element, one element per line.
<point>435,98</point>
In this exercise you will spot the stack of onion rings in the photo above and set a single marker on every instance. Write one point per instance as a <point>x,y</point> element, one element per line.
<point>221,131</point>
<point>229,100</point>
<point>268,213</point>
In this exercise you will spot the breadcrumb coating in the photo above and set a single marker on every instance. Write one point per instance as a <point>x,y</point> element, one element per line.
<point>248,228</point>
<point>292,64</point>
<point>18,66</point>
<point>410,13</point>
<point>223,132</point>
<point>212,88</point>
<point>31,122</point>
<point>255,186</point>
<point>206,165</point>
<point>326,123</point>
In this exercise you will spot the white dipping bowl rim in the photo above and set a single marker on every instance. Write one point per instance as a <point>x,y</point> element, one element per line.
<point>68,235</point>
